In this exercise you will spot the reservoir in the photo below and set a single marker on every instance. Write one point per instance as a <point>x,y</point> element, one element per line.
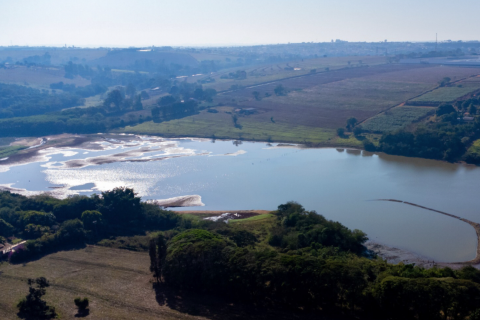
<point>340,184</point>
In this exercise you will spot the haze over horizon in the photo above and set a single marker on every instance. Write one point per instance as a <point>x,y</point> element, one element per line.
<point>214,23</point>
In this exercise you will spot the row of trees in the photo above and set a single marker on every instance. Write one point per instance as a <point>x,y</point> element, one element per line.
<point>446,139</point>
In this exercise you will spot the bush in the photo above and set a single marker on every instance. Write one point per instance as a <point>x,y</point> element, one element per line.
<point>340,132</point>
<point>81,304</point>
<point>369,146</point>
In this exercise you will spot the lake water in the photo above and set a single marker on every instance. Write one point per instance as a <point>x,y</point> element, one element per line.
<point>339,184</point>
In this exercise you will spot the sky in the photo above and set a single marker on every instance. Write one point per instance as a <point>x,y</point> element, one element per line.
<point>121,23</point>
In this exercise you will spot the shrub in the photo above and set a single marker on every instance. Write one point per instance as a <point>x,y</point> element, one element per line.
<point>81,304</point>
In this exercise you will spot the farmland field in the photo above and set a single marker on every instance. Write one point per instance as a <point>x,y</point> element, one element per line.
<point>38,77</point>
<point>315,106</point>
<point>274,72</point>
<point>396,118</point>
<point>327,100</point>
<point>448,94</point>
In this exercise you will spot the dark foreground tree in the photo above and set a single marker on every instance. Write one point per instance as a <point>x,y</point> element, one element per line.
<point>32,305</point>
<point>82,305</point>
<point>158,252</point>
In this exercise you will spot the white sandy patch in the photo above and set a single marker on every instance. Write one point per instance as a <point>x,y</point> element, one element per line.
<point>182,201</point>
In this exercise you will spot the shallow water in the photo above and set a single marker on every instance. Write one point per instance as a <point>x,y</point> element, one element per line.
<point>340,184</point>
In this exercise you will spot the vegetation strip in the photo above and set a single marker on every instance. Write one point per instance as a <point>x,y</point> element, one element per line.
<point>475,225</point>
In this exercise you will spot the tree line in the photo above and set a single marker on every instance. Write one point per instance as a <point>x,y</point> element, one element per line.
<point>328,273</point>
<point>300,260</point>
<point>447,138</point>
<point>21,101</point>
<point>51,224</point>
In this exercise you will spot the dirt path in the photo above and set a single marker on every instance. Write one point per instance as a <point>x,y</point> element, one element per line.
<point>475,225</point>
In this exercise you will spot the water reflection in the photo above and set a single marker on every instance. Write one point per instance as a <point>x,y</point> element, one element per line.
<point>355,152</point>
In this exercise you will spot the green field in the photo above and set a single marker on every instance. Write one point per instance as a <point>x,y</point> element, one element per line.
<point>220,126</point>
<point>448,94</point>
<point>396,118</point>
<point>254,218</point>
<point>10,150</point>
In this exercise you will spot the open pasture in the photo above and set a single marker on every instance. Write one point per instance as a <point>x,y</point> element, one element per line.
<point>396,118</point>
<point>38,77</point>
<point>119,285</point>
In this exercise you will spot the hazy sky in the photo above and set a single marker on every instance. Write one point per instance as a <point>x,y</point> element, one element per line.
<point>226,22</point>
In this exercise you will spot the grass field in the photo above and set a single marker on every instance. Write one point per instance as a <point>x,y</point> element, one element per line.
<point>254,218</point>
<point>117,282</point>
<point>258,127</point>
<point>448,94</point>
<point>396,118</point>
<point>10,150</point>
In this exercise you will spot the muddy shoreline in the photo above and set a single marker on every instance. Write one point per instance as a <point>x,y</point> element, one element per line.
<point>395,255</point>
